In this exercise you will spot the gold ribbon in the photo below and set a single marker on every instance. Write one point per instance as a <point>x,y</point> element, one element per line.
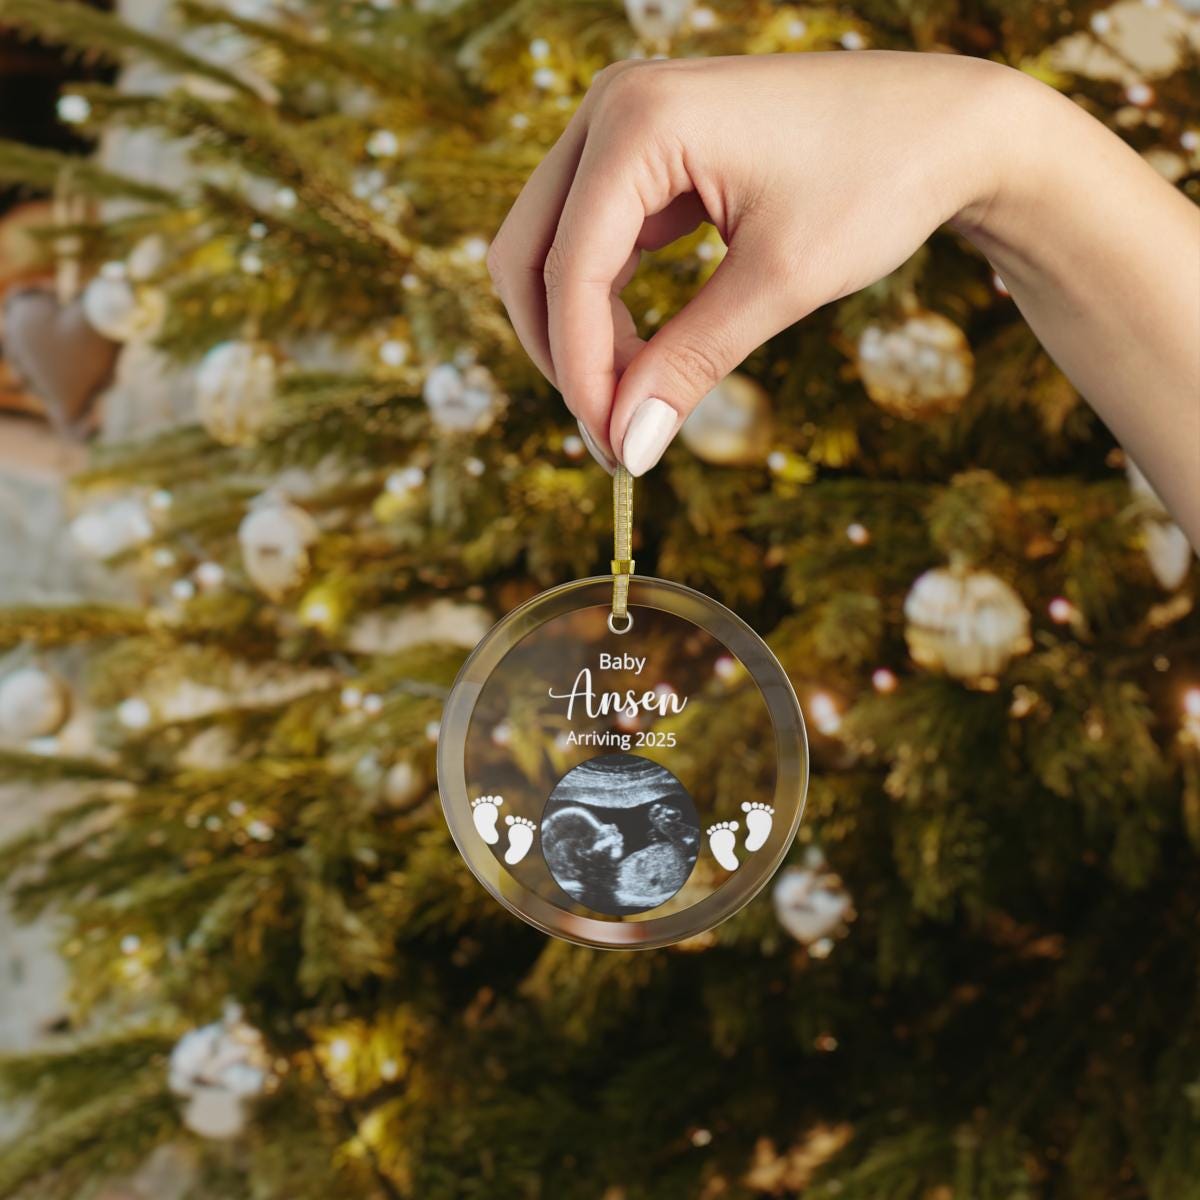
<point>619,620</point>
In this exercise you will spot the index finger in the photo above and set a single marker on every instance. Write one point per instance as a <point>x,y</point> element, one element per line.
<point>518,251</point>
<point>596,241</point>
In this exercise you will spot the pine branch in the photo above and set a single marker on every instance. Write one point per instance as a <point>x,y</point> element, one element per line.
<point>63,625</point>
<point>92,32</point>
<point>45,169</point>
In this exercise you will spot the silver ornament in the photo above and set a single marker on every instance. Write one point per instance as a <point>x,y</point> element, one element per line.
<point>965,622</point>
<point>657,21</point>
<point>219,1069</point>
<point>731,426</point>
<point>918,368</point>
<point>403,784</point>
<point>1167,548</point>
<point>235,390</point>
<point>118,309</point>
<point>33,703</point>
<point>275,538</point>
<point>461,400</point>
<point>112,528</point>
<point>811,902</point>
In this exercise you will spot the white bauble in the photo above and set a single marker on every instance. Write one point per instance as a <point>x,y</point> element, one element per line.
<point>120,310</point>
<point>918,368</point>
<point>219,1069</point>
<point>112,528</point>
<point>1168,551</point>
<point>461,400</point>
<point>811,903</point>
<point>215,1113</point>
<point>965,622</point>
<point>391,630</point>
<point>33,703</point>
<point>1167,547</point>
<point>403,784</point>
<point>147,258</point>
<point>731,426</point>
<point>657,20</point>
<point>275,538</point>
<point>235,390</point>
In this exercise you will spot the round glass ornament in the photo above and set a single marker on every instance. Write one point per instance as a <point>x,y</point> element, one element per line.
<point>622,782</point>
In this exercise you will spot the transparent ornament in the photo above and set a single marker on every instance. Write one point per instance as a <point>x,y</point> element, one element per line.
<point>608,814</point>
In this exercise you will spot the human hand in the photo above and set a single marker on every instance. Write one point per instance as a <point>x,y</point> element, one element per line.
<point>822,173</point>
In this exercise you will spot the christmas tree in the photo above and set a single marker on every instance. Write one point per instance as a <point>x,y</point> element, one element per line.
<point>977,976</point>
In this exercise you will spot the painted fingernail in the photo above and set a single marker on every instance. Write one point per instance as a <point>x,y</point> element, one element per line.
<point>650,432</point>
<point>594,450</point>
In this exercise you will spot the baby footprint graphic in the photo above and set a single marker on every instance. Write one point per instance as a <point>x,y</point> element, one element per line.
<point>722,837</point>
<point>758,824</point>
<point>484,812</point>
<point>520,838</point>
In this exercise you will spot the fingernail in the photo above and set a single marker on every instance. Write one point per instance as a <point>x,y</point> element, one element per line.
<point>650,432</point>
<point>594,449</point>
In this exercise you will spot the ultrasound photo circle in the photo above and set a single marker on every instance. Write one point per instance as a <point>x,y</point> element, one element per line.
<point>620,834</point>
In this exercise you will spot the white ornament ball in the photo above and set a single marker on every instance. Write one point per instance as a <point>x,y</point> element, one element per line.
<point>33,703</point>
<point>215,1113</point>
<point>964,622</point>
<point>275,538</point>
<point>219,1069</point>
<point>147,258</point>
<point>461,400</point>
<point>134,713</point>
<point>918,368</point>
<point>403,784</point>
<point>73,109</point>
<point>235,390</point>
<point>120,310</point>
<point>811,903</point>
<point>112,528</point>
<point>657,20</point>
<point>1167,547</point>
<point>731,426</point>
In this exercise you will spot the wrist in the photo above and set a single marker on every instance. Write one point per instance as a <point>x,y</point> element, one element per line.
<point>1016,133</point>
<point>1038,146</point>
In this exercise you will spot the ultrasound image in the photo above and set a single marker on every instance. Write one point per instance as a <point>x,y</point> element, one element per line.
<point>620,834</point>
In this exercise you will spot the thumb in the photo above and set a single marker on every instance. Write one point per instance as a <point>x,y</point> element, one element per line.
<point>742,305</point>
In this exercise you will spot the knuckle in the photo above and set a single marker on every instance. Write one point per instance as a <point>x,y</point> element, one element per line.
<point>605,76</point>
<point>699,365</point>
<point>554,269</point>
<point>634,97</point>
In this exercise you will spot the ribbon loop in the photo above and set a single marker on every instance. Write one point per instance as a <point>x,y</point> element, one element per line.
<point>620,620</point>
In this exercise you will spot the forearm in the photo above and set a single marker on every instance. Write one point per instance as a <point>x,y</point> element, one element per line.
<point>1102,256</point>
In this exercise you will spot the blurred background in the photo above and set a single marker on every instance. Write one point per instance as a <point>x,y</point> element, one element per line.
<point>271,462</point>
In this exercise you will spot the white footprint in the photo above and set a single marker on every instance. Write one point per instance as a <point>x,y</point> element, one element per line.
<point>484,812</point>
<point>722,837</point>
<point>758,824</point>
<point>520,838</point>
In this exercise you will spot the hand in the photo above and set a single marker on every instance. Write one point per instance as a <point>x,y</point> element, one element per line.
<point>822,173</point>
